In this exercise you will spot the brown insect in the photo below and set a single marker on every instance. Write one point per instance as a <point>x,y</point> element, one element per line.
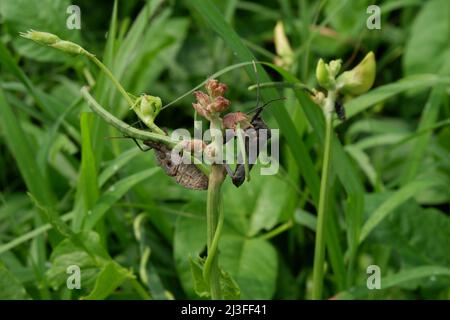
<point>187,175</point>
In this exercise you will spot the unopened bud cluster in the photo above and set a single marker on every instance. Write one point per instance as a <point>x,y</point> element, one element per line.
<point>213,103</point>
<point>354,82</point>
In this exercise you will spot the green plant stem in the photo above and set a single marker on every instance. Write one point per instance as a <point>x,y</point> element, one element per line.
<point>214,220</point>
<point>119,87</point>
<point>140,289</point>
<point>319,252</point>
<point>122,126</point>
<point>130,131</point>
<point>213,208</point>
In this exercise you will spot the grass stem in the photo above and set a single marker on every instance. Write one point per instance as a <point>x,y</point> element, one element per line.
<point>319,252</point>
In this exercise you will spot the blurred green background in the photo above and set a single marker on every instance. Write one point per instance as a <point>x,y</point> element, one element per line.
<point>64,185</point>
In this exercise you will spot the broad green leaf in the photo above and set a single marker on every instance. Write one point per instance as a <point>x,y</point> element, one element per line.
<point>393,202</point>
<point>269,205</point>
<point>110,277</point>
<point>428,47</point>
<point>10,286</point>
<point>404,276</point>
<point>418,236</point>
<point>200,285</point>
<point>189,241</point>
<point>67,254</point>
<point>229,287</point>
<point>241,256</point>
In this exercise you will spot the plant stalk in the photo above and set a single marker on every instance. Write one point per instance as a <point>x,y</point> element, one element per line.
<point>213,213</point>
<point>119,87</point>
<point>319,252</point>
<point>214,221</point>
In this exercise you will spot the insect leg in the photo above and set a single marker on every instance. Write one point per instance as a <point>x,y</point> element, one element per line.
<point>228,169</point>
<point>140,147</point>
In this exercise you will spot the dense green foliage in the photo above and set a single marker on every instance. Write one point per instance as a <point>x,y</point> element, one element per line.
<point>71,196</point>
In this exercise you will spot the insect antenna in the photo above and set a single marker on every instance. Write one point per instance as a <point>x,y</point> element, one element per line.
<point>257,83</point>
<point>258,110</point>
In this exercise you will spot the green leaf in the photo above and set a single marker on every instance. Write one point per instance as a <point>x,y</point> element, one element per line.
<point>379,94</point>
<point>428,118</point>
<point>230,289</point>
<point>393,202</point>
<point>189,241</point>
<point>412,232</point>
<point>109,279</point>
<point>269,204</point>
<point>241,256</point>
<point>306,219</point>
<point>402,277</point>
<point>116,164</point>
<point>200,285</point>
<point>428,47</point>
<point>87,189</point>
<point>67,254</point>
<point>10,286</point>
<point>24,154</point>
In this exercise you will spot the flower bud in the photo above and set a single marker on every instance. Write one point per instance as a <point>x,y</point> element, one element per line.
<point>282,47</point>
<point>231,120</point>
<point>220,104</point>
<point>326,73</point>
<point>202,98</point>
<point>215,88</point>
<point>211,104</point>
<point>322,75</point>
<point>68,47</point>
<point>147,108</point>
<point>40,37</point>
<point>201,110</point>
<point>360,79</point>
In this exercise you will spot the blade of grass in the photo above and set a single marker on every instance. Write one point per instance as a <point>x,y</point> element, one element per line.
<point>31,234</point>
<point>113,194</point>
<point>24,153</point>
<point>116,164</point>
<point>87,191</point>
<point>428,118</point>
<point>416,82</point>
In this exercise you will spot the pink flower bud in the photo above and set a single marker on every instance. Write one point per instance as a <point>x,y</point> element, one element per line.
<point>200,110</point>
<point>220,104</point>
<point>215,89</point>
<point>202,98</point>
<point>231,120</point>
